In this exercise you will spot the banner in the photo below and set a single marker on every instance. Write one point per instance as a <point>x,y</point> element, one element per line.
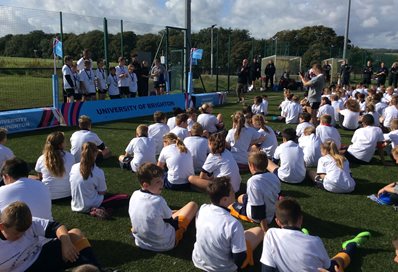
<point>218,98</point>
<point>118,109</point>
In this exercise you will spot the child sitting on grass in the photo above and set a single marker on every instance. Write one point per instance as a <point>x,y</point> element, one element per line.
<point>210,122</point>
<point>181,128</point>
<point>5,152</point>
<point>292,111</point>
<point>258,106</point>
<point>333,173</point>
<point>270,143</point>
<point>326,108</point>
<point>304,122</point>
<point>219,163</point>
<point>157,130</point>
<point>262,192</point>
<point>325,131</point>
<point>289,249</point>
<point>155,226</point>
<point>141,149</point>
<point>198,146</point>
<point>221,242</point>
<point>311,145</point>
<point>23,246</point>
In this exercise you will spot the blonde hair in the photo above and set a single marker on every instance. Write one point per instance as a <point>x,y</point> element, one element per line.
<point>205,107</point>
<point>309,130</point>
<point>142,131</point>
<point>53,153</point>
<point>171,138</point>
<point>259,120</point>
<point>331,148</point>
<point>238,120</point>
<point>394,124</point>
<point>353,105</point>
<point>87,160</point>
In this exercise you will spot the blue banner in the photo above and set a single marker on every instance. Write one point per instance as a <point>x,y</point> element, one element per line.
<point>117,109</point>
<point>197,53</point>
<point>218,98</point>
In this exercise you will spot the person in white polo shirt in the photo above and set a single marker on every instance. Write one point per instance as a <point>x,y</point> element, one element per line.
<point>157,130</point>
<point>21,188</point>
<point>221,242</point>
<point>181,128</point>
<point>365,141</point>
<point>85,135</point>
<point>198,146</point>
<point>288,249</point>
<point>291,157</point>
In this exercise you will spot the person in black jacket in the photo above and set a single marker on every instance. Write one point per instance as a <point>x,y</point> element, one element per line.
<point>345,71</point>
<point>255,74</point>
<point>243,79</point>
<point>394,75</point>
<point>269,72</point>
<point>367,73</point>
<point>382,74</point>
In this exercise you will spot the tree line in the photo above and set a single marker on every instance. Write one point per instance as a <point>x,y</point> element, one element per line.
<point>312,43</point>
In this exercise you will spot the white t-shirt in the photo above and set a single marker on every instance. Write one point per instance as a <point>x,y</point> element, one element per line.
<point>122,82</point>
<point>337,106</point>
<point>85,192</point>
<point>80,137</point>
<point>240,147</point>
<point>218,236</point>
<point>291,250</point>
<point>265,106</point>
<point>329,110</point>
<point>100,75</point>
<point>376,118</point>
<point>263,189</point>
<point>80,64</point>
<point>156,132</point>
<point>283,105</point>
<point>5,154</point>
<point>311,145</point>
<point>113,89</point>
<point>337,180</point>
<point>199,148</point>
<point>133,86</point>
<point>328,133</point>
<point>292,112</point>
<point>390,113</point>
<point>393,137</point>
<point>351,119</point>
<point>223,165</point>
<point>87,77</point>
<point>143,149</point>
<point>179,164</point>
<point>147,213</point>
<point>19,255</point>
<point>208,122</point>
<point>270,143</point>
<point>364,142</point>
<point>300,128</point>
<point>380,107</point>
<point>67,71</point>
<point>59,186</point>
<point>258,109</point>
<point>171,122</point>
<point>292,166</point>
<point>34,193</point>
<point>181,132</point>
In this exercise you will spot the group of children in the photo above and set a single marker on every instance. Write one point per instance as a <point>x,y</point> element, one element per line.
<point>196,152</point>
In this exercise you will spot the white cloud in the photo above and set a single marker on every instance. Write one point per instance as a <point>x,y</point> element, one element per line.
<point>371,21</point>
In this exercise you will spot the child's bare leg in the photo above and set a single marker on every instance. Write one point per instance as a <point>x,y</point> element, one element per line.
<point>271,166</point>
<point>188,211</point>
<point>240,198</point>
<point>121,158</point>
<point>254,236</point>
<point>198,182</point>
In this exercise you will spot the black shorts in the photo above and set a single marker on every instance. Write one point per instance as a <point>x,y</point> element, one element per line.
<point>70,92</point>
<point>315,105</point>
<point>124,90</point>
<point>352,159</point>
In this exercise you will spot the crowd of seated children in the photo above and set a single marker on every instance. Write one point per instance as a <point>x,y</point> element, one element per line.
<point>198,146</point>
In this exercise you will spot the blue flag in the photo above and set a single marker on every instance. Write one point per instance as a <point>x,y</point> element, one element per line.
<point>197,53</point>
<point>57,48</point>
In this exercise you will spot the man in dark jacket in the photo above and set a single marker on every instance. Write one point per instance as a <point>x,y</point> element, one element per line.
<point>243,79</point>
<point>367,73</point>
<point>382,74</point>
<point>269,72</point>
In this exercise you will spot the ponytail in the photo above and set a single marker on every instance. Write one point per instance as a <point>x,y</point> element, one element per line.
<point>173,139</point>
<point>332,150</point>
<point>87,161</point>
<point>53,154</point>
<point>238,120</point>
<point>259,119</point>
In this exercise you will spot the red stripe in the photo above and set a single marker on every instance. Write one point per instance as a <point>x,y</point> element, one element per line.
<point>75,112</point>
<point>65,113</point>
<point>116,197</point>
<point>47,117</point>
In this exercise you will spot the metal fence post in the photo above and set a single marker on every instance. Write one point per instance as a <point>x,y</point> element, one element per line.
<point>121,39</point>
<point>106,56</point>
<point>61,33</point>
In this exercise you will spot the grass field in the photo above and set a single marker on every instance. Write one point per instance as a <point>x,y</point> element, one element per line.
<point>335,218</point>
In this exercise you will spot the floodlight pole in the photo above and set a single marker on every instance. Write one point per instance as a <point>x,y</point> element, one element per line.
<point>347,26</point>
<point>211,49</point>
<point>187,43</point>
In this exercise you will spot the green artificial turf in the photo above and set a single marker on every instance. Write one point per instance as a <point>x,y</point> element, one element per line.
<point>335,218</point>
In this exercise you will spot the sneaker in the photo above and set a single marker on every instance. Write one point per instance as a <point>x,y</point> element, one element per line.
<point>305,231</point>
<point>361,238</point>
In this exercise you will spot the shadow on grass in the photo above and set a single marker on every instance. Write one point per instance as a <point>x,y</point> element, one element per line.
<point>365,187</point>
<point>357,260</point>
<point>294,194</point>
<point>329,229</point>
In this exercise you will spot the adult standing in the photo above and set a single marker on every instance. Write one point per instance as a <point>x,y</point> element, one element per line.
<point>269,72</point>
<point>137,69</point>
<point>243,73</point>
<point>315,85</point>
<point>86,55</point>
<point>326,71</point>
<point>345,71</point>
<point>143,83</point>
<point>367,73</point>
<point>382,74</point>
<point>158,73</point>
<point>255,73</point>
<point>394,75</point>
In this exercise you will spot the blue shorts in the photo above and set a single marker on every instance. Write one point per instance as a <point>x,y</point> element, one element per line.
<point>168,185</point>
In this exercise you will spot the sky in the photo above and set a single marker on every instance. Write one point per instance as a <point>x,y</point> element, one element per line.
<point>372,25</point>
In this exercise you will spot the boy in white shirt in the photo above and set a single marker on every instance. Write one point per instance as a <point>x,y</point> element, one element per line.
<point>221,242</point>
<point>258,106</point>
<point>337,105</point>
<point>325,131</point>
<point>171,122</point>
<point>5,152</point>
<point>87,79</point>
<point>265,103</point>
<point>155,226</point>
<point>123,77</point>
<point>100,76</point>
<point>292,111</point>
<point>311,145</point>
<point>304,120</point>
<point>262,192</point>
<point>198,146</point>
<point>291,156</point>
<point>390,113</point>
<point>85,135</point>
<point>36,244</point>
<point>181,126</point>
<point>133,81</point>
<point>140,150</point>
<point>67,78</point>
<point>113,89</point>
<point>326,108</point>
<point>365,141</point>
<point>288,249</point>
<point>158,130</point>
